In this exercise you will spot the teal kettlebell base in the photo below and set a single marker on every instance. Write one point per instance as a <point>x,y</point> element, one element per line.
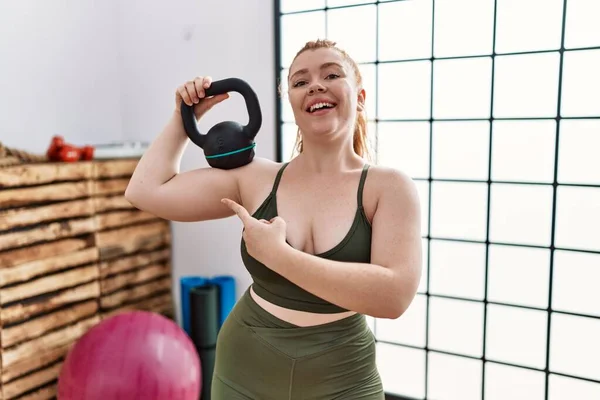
<point>232,152</point>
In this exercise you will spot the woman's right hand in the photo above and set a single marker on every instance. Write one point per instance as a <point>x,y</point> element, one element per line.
<point>192,93</point>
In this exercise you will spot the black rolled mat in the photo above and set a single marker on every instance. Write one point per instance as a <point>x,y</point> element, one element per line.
<point>204,327</point>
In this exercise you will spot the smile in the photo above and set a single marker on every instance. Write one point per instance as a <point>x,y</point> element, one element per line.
<point>320,106</point>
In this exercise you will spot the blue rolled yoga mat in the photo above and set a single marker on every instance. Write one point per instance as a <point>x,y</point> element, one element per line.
<point>226,286</point>
<point>226,296</point>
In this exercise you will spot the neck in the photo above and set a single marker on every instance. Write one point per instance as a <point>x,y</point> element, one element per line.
<point>328,157</point>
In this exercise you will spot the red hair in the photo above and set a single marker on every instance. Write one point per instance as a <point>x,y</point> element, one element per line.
<point>360,140</point>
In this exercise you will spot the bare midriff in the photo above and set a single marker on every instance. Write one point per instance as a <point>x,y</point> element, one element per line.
<point>295,317</point>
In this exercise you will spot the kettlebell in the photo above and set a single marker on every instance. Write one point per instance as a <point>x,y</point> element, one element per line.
<point>228,144</point>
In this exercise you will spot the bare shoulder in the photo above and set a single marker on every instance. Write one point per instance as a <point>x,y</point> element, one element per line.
<point>392,185</point>
<point>259,168</point>
<point>255,181</point>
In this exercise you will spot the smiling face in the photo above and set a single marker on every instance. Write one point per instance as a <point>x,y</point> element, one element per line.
<point>324,93</point>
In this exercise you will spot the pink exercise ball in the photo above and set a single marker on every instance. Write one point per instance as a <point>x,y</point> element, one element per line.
<point>133,355</point>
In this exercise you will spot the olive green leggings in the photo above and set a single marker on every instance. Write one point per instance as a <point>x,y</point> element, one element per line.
<point>262,357</point>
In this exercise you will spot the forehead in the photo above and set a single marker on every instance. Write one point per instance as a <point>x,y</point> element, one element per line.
<point>313,59</point>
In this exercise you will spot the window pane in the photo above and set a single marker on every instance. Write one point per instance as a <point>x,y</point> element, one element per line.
<point>503,382</point>
<point>526,85</point>
<point>287,114</point>
<point>405,146</point>
<point>578,155</point>
<point>446,334</point>
<point>405,19</point>
<point>521,214</point>
<point>288,139</point>
<point>457,269</point>
<point>409,328</point>
<point>514,30</point>
<point>454,378</point>
<point>294,33</point>
<point>523,151</point>
<point>424,278</point>
<point>582,25</point>
<point>339,3</point>
<point>423,191</point>
<point>367,72</point>
<point>461,150</point>
<point>476,21</point>
<point>518,275</point>
<point>295,5</point>
<point>516,336</point>
<point>462,88</point>
<point>370,322</point>
<point>372,139</point>
<point>563,388</point>
<point>459,210</point>
<point>576,278</point>
<point>581,84</point>
<point>402,370</point>
<point>574,349</point>
<point>403,90</point>
<point>578,218</point>
<point>342,27</point>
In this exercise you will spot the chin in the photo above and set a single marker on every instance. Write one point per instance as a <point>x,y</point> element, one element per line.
<point>322,129</point>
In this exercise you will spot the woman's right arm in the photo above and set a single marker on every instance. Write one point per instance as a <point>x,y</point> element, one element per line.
<point>158,187</point>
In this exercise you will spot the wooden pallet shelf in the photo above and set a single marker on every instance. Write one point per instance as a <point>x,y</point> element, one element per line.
<point>73,251</point>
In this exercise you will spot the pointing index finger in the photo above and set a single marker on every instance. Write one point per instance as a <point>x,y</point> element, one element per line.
<point>241,212</point>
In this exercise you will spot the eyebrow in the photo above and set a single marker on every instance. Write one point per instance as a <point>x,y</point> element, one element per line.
<point>323,66</point>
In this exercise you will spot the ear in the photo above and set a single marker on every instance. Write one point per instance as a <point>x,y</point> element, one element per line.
<point>360,104</point>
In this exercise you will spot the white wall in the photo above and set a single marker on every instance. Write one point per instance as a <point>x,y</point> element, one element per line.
<point>59,72</point>
<point>96,71</point>
<point>165,47</point>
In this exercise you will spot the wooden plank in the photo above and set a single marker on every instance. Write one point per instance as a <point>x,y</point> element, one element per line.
<point>115,168</point>
<point>42,173</point>
<point>48,392</point>
<point>102,204</point>
<point>34,269</point>
<point>58,338</point>
<point>20,217</point>
<point>109,187</point>
<point>51,231</point>
<point>10,160</point>
<point>39,326</point>
<point>123,264</point>
<point>121,218</point>
<point>15,388</point>
<point>162,304</point>
<point>138,276</point>
<point>11,258</point>
<point>123,241</point>
<point>49,284</point>
<point>22,311</point>
<point>136,293</point>
<point>39,360</point>
<point>45,194</point>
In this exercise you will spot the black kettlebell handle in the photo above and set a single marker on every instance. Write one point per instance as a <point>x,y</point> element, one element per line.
<point>221,87</point>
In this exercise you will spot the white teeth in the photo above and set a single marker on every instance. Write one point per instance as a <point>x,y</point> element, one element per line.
<point>320,105</point>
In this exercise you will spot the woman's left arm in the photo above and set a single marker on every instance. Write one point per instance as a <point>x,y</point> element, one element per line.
<point>383,288</point>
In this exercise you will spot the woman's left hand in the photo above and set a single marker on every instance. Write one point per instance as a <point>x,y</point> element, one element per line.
<point>263,238</point>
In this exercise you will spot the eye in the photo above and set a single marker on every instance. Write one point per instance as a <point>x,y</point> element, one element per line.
<point>298,83</point>
<point>332,76</point>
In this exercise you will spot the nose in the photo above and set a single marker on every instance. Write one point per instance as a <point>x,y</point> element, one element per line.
<point>316,88</point>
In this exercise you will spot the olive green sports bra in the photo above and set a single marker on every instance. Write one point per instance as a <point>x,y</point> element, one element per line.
<point>355,247</point>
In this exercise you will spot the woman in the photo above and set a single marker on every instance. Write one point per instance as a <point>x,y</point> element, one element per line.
<point>327,239</point>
